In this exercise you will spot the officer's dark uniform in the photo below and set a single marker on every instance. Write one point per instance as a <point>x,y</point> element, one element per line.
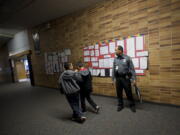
<point>123,72</point>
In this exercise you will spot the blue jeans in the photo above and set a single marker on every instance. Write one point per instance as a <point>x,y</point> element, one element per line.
<point>73,100</point>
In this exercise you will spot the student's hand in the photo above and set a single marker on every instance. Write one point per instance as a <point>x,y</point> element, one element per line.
<point>76,70</point>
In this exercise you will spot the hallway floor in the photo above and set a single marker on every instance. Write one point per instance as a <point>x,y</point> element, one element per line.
<point>26,110</point>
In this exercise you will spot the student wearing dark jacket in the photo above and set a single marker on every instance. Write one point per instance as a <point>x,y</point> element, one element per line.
<point>68,86</point>
<point>86,88</point>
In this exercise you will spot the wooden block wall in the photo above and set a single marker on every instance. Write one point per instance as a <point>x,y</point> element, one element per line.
<point>158,20</point>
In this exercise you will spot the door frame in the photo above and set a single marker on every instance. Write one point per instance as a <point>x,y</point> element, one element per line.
<point>16,56</point>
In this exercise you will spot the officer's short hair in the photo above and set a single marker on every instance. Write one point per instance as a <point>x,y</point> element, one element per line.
<point>80,64</point>
<point>67,65</point>
<point>120,48</point>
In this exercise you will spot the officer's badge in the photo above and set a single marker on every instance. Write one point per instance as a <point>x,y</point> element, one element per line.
<point>124,60</point>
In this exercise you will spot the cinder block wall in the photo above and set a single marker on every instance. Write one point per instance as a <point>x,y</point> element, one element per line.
<point>158,20</point>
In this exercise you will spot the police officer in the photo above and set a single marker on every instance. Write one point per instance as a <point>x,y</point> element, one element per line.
<point>123,74</point>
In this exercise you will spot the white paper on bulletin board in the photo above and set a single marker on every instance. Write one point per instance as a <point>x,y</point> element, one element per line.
<point>139,71</point>
<point>139,43</point>
<point>62,54</point>
<point>86,53</point>
<point>96,52</point>
<point>65,58</point>
<point>55,63</point>
<point>120,43</point>
<point>98,72</point>
<point>111,60</point>
<point>102,72</point>
<point>131,47</point>
<point>94,72</point>
<point>104,50</point>
<point>106,63</point>
<point>86,59</point>
<point>135,62</point>
<point>91,47</point>
<point>94,59</point>
<point>112,46</point>
<point>143,63</point>
<point>92,52</point>
<point>101,63</point>
<point>95,64</point>
<point>110,72</point>
<point>67,51</point>
<point>144,53</point>
<point>96,46</point>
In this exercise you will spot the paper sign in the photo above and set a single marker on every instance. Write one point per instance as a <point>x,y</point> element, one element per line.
<point>96,52</point>
<point>101,63</point>
<point>139,71</point>
<point>143,63</point>
<point>102,72</point>
<point>67,51</point>
<point>120,43</point>
<point>111,60</point>
<point>91,47</point>
<point>96,46</point>
<point>86,59</point>
<point>130,47</point>
<point>110,72</point>
<point>135,62</point>
<point>62,54</point>
<point>86,53</point>
<point>95,64</point>
<point>94,59</point>
<point>92,52</point>
<point>94,72</point>
<point>106,63</point>
<point>144,53</point>
<point>139,43</point>
<point>112,47</point>
<point>104,50</point>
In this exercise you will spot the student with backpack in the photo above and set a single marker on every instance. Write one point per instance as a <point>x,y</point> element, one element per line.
<point>86,88</point>
<point>68,86</point>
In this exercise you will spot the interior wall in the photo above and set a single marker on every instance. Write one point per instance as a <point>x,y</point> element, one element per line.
<point>158,20</point>
<point>19,43</point>
<point>5,72</point>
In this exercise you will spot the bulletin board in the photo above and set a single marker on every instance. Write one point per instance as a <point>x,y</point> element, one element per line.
<point>100,56</point>
<point>54,61</point>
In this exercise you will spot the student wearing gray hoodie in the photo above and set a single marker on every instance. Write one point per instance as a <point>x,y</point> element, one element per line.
<point>68,86</point>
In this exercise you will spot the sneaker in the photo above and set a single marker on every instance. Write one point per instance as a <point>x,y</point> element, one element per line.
<point>120,108</point>
<point>97,109</point>
<point>133,109</point>
<point>79,119</point>
<point>82,119</point>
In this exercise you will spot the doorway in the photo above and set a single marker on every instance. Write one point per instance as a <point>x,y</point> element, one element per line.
<point>21,68</point>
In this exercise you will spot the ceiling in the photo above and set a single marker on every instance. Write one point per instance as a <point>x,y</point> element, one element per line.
<point>16,15</point>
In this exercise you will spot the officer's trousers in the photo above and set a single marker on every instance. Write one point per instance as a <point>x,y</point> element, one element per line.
<point>123,83</point>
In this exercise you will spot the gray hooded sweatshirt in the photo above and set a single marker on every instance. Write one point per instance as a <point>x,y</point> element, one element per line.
<point>68,82</point>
